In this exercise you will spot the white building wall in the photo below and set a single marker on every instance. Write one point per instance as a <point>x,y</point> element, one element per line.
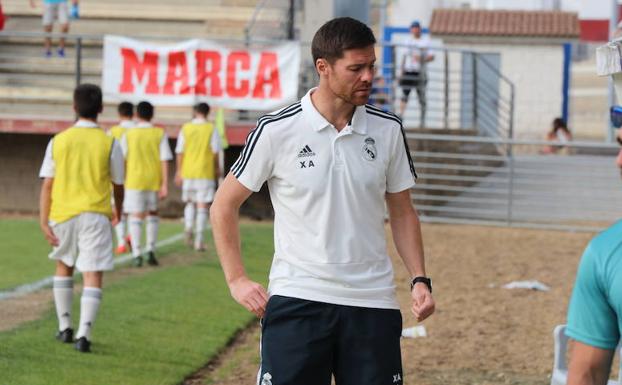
<point>537,74</point>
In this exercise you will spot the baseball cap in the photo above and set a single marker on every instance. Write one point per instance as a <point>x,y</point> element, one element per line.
<point>415,24</point>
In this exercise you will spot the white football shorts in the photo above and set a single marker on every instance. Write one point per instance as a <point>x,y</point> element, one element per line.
<point>55,11</point>
<point>140,201</point>
<point>84,241</point>
<point>198,190</point>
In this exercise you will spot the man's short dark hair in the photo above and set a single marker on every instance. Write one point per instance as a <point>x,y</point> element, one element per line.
<point>339,35</point>
<point>202,108</point>
<point>125,109</point>
<point>87,99</point>
<point>144,110</point>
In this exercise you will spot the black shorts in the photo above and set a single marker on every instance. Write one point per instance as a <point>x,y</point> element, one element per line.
<point>305,342</point>
<point>410,80</point>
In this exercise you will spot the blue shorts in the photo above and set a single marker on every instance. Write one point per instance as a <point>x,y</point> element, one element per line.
<point>306,342</point>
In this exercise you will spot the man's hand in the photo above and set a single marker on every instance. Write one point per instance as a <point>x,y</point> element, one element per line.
<point>423,303</point>
<point>49,234</point>
<point>32,4</point>
<point>163,193</point>
<point>249,294</point>
<point>178,180</point>
<point>115,218</point>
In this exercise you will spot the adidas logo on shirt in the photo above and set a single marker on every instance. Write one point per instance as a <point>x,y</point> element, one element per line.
<point>306,152</point>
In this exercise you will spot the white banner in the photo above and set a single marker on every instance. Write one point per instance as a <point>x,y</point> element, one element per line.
<point>200,71</point>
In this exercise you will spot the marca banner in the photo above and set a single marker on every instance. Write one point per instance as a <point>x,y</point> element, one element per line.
<point>193,71</point>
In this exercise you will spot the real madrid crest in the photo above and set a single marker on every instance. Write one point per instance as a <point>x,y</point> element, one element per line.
<point>369,149</point>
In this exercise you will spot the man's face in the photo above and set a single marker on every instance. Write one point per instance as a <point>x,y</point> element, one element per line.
<point>416,31</point>
<point>350,78</point>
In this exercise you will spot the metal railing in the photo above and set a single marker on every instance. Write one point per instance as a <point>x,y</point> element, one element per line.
<point>461,90</point>
<point>538,184</point>
<point>284,30</point>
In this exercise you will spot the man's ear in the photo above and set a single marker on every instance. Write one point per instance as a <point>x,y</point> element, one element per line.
<point>322,66</point>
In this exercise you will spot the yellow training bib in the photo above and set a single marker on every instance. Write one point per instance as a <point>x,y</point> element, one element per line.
<point>82,173</point>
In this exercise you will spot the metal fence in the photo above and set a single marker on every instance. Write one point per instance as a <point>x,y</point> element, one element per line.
<point>461,90</point>
<point>465,179</point>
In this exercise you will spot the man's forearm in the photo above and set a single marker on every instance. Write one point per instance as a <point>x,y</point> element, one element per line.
<point>178,163</point>
<point>45,200</point>
<point>119,194</point>
<point>226,232</point>
<point>164,173</point>
<point>406,230</point>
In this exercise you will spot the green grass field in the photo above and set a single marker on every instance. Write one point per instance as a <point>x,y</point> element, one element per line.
<point>154,328</point>
<point>24,251</point>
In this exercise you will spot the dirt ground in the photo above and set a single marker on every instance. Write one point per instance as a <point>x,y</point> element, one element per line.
<point>481,333</point>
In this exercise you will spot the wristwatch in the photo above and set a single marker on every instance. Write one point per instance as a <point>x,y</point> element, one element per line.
<point>426,280</point>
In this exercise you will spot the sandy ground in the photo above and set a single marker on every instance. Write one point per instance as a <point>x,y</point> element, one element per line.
<point>480,333</point>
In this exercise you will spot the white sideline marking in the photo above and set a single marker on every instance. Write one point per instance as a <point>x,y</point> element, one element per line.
<point>28,288</point>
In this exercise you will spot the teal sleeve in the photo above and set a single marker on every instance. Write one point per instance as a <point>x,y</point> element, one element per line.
<point>591,319</point>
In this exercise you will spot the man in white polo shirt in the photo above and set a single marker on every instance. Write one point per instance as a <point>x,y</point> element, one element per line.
<point>331,162</point>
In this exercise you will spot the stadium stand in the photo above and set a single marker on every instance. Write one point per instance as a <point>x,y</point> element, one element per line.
<point>33,85</point>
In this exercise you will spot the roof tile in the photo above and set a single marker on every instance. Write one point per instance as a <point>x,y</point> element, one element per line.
<point>505,23</point>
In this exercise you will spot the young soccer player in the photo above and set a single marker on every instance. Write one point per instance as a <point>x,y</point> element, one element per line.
<point>147,153</point>
<point>79,165</point>
<point>126,116</point>
<point>198,145</point>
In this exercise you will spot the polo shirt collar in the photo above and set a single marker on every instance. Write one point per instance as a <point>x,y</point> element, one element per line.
<point>85,124</point>
<point>199,121</point>
<point>127,123</point>
<point>318,122</point>
<point>144,125</point>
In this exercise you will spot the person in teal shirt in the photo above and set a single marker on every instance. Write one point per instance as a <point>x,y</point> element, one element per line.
<point>595,309</point>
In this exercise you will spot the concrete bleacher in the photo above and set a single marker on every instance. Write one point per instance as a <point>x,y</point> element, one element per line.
<point>32,85</point>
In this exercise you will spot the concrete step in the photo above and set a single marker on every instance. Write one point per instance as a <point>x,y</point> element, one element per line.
<point>49,66</point>
<point>43,81</point>
<point>588,104</point>
<point>202,11</point>
<point>588,81</point>
<point>169,31</point>
<point>35,50</point>
<point>56,102</point>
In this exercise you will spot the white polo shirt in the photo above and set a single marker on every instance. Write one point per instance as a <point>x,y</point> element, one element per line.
<point>328,190</point>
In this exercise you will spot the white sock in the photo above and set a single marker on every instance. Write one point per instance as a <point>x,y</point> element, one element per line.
<point>63,297</point>
<point>136,228</point>
<point>189,216</point>
<point>152,231</point>
<point>120,232</point>
<point>89,304</point>
<point>201,221</point>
